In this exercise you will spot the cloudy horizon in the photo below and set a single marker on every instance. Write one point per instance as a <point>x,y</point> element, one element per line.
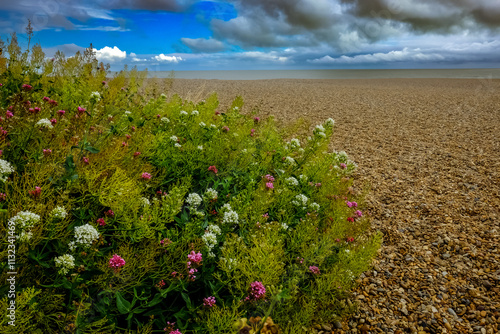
<point>262,34</point>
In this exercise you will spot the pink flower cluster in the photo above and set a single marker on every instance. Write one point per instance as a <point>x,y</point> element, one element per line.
<point>257,291</point>
<point>351,204</point>
<point>225,129</point>
<point>27,87</point>
<point>47,152</point>
<point>116,262</point>
<point>35,193</point>
<point>269,185</point>
<point>314,270</point>
<point>256,119</point>
<point>146,176</point>
<point>101,222</point>
<point>343,166</point>
<point>194,260</point>
<point>9,114</point>
<point>81,110</point>
<point>3,197</point>
<point>109,213</point>
<point>269,178</point>
<point>212,169</point>
<point>209,301</point>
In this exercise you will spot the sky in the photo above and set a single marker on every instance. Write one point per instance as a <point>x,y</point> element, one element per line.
<point>164,35</point>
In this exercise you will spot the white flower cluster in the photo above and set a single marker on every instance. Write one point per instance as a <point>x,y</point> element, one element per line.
<point>195,113</point>
<point>194,200</point>
<point>329,122</point>
<point>314,206</point>
<point>290,161</point>
<point>210,194</point>
<point>86,235</point>
<point>319,131</point>
<point>200,147</point>
<point>44,123</point>
<point>301,201</point>
<point>174,138</point>
<point>284,226</point>
<point>25,236</point>
<point>59,212</point>
<point>201,124</point>
<point>25,219</point>
<point>145,202</point>
<point>164,120</point>
<point>5,169</point>
<point>183,113</point>
<point>230,217</point>
<point>210,238</point>
<point>294,143</point>
<point>95,96</point>
<point>177,145</point>
<point>303,178</point>
<point>291,181</point>
<point>65,262</point>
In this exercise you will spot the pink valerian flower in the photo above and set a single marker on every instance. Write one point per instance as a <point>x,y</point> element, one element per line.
<point>3,132</point>
<point>269,178</point>
<point>85,160</point>
<point>28,103</point>
<point>165,241</point>
<point>266,215</point>
<point>53,121</point>
<point>9,114</point>
<point>343,166</point>
<point>257,291</point>
<point>53,102</point>
<point>318,185</point>
<point>45,98</point>
<point>217,112</point>
<point>124,144</point>
<point>109,213</point>
<point>3,197</point>
<point>27,87</point>
<point>177,331</point>
<point>61,112</point>
<point>209,301</point>
<point>256,120</point>
<point>212,169</point>
<point>269,185</point>
<point>128,136</point>
<point>350,219</point>
<point>351,204</point>
<point>47,152</point>
<point>301,260</point>
<point>314,270</point>
<point>132,128</point>
<point>225,129</point>
<point>1,84</point>
<point>104,83</point>
<point>170,327</point>
<point>252,132</point>
<point>80,110</point>
<point>136,154</point>
<point>35,193</point>
<point>160,284</point>
<point>146,176</point>
<point>349,239</point>
<point>195,258</point>
<point>101,222</point>
<point>359,213</point>
<point>116,262</point>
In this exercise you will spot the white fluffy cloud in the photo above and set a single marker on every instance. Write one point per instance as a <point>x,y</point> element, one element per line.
<point>110,54</point>
<point>169,59</point>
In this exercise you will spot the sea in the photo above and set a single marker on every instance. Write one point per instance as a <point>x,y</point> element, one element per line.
<point>489,73</point>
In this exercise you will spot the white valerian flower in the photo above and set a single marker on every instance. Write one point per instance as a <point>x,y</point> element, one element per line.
<point>236,108</point>
<point>183,113</point>
<point>284,226</point>
<point>303,178</point>
<point>194,200</point>
<point>177,145</point>
<point>290,161</point>
<point>319,128</point>
<point>195,113</point>
<point>210,194</point>
<point>198,213</point>
<point>314,206</point>
<point>5,169</point>
<point>301,150</point>
<point>201,124</point>
<point>86,235</point>
<point>226,207</point>
<point>329,122</point>
<point>165,120</point>
<point>145,202</point>
<point>230,217</point>
<point>65,262</point>
<point>214,229</point>
<point>25,236</point>
<point>213,126</point>
<point>72,245</point>
<point>291,181</point>
<point>25,219</point>
<point>174,138</point>
<point>95,96</point>
<point>127,112</point>
<point>59,212</point>
<point>321,134</point>
<point>294,143</point>
<point>200,147</point>
<point>44,123</point>
<point>301,201</point>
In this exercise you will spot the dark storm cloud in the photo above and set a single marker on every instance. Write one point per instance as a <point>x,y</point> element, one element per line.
<point>152,5</point>
<point>430,15</point>
<point>203,45</point>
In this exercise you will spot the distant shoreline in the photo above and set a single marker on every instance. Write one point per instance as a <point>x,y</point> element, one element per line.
<point>484,73</point>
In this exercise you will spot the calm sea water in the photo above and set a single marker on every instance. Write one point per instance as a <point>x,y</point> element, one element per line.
<point>332,74</point>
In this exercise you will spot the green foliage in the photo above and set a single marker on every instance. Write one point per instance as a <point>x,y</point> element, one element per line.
<point>155,210</point>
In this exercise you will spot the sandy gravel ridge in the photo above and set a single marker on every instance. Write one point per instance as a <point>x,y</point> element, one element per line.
<point>430,149</point>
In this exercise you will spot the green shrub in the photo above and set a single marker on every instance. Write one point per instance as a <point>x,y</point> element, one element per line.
<point>134,211</point>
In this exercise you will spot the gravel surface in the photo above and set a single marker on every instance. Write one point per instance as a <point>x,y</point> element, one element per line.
<point>430,151</point>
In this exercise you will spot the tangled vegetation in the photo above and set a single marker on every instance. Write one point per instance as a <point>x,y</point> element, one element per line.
<point>131,212</point>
